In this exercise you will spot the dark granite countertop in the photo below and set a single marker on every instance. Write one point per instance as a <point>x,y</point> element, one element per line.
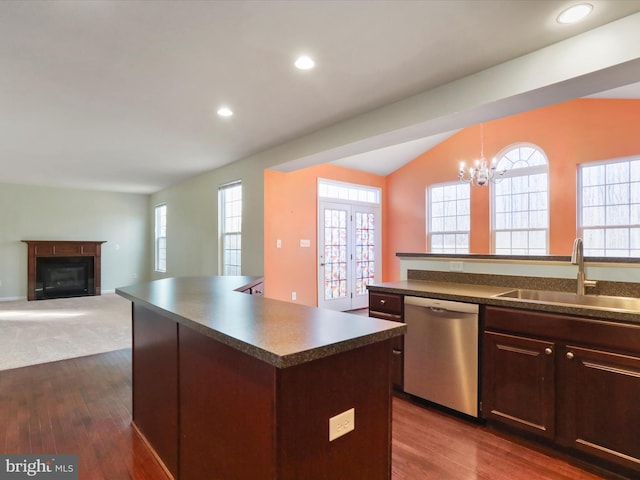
<point>279,333</point>
<point>485,295</point>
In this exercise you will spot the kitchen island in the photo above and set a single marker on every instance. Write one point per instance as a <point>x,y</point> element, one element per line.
<point>228,385</point>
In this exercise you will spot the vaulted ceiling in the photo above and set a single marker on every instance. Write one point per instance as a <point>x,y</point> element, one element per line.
<point>122,95</point>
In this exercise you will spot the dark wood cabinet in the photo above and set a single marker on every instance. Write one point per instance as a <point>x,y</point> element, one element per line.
<point>390,306</point>
<point>600,409</point>
<point>520,384</point>
<point>574,381</point>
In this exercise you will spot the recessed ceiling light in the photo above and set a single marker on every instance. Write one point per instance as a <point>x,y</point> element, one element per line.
<point>575,13</point>
<point>225,112</point>
<point>305,62</point>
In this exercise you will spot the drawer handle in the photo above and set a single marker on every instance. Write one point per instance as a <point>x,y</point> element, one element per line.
<point>570,355</point>
<point>396,351</point>
<point>382,302</point>
<point>548,351</point>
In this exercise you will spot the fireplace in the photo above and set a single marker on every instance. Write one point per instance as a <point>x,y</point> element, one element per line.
<point>58,277</point>
<point>59,269</point>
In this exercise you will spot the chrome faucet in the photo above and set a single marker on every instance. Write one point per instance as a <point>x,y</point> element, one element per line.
<point>577,258</point>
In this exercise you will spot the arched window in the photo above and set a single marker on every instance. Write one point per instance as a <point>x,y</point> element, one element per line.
<point>520,202</point>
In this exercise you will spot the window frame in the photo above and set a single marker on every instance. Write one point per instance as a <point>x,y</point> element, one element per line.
<point>429,217</point>
<point>224,219</point>
<point>353,193</point>
<point>602,252</point>
<point>514,173</point>
<point>160,237</point>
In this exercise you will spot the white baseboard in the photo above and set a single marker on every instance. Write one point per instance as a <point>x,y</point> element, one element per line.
<point>11,299</point>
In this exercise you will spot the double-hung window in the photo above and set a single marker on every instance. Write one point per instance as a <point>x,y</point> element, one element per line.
<point>449,218</point>
<point>609,207</point>
<point>230,225</point>
<point>520,202</point>
<point>160,245</point>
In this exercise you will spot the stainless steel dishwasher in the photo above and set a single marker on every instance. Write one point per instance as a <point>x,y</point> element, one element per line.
<point>441,352</point>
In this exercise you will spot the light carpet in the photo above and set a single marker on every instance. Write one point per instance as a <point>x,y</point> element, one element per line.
<point>48,330</point>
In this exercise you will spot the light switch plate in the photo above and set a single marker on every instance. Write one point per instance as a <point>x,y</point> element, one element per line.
<point>305,243</point>
<point>342,424</point>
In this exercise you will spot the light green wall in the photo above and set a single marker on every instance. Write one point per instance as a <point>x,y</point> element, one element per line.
<point>44,213</point>
<point>612,272</point>
<point>192,221</point>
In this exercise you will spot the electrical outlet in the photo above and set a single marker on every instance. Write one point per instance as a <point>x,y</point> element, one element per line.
<point>294,296</point>
<point>342,424</point>
<point>278,243</point>
<point>455,266</point>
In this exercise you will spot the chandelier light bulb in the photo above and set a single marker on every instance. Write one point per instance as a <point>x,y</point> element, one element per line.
<point>481,174</point>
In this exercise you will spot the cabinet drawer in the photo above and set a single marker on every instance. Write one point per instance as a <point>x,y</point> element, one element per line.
<point>587,331</point>
<point>386,303</point>
<point>393,317</point>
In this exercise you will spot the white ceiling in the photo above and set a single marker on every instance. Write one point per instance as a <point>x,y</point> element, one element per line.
<point>121,95</point>
<point>383,161</point>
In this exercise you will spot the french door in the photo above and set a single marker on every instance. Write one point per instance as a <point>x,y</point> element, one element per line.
<point>348,253</point>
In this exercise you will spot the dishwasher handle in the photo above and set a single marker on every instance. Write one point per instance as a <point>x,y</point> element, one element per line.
<point>437,305</point>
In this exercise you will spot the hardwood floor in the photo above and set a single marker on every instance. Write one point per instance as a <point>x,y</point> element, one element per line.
<point>431,445</point>
<point>78,406</point>
<point>83,406</point>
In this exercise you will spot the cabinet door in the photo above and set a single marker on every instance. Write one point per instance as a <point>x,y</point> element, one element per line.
<point>599,410</point>
<point>519,383</point>
<point>389,306</point>
<point>397,363</point>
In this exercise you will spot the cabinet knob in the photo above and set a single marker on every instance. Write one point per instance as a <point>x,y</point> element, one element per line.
<point>570,355</point>
<point>382,302</point>
<point>548,351</point>
<point>396,351</point>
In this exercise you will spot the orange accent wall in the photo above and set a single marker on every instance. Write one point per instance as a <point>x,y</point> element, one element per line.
<point>290,214</point>
<point>570,133</point>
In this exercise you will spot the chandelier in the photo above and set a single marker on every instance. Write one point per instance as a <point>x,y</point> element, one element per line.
<point>481,173</point>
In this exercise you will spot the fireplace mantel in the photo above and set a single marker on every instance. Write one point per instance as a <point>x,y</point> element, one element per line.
<point>62,248</point>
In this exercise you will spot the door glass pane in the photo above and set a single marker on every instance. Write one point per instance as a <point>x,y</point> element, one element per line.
<point>365,257</point>
<point>335,271</point>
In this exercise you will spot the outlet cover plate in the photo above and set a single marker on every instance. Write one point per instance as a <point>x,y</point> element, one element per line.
<point>342,424</point>
<point>455,266</point>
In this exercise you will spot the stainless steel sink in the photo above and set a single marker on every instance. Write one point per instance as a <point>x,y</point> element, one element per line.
<point>569,298</point>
